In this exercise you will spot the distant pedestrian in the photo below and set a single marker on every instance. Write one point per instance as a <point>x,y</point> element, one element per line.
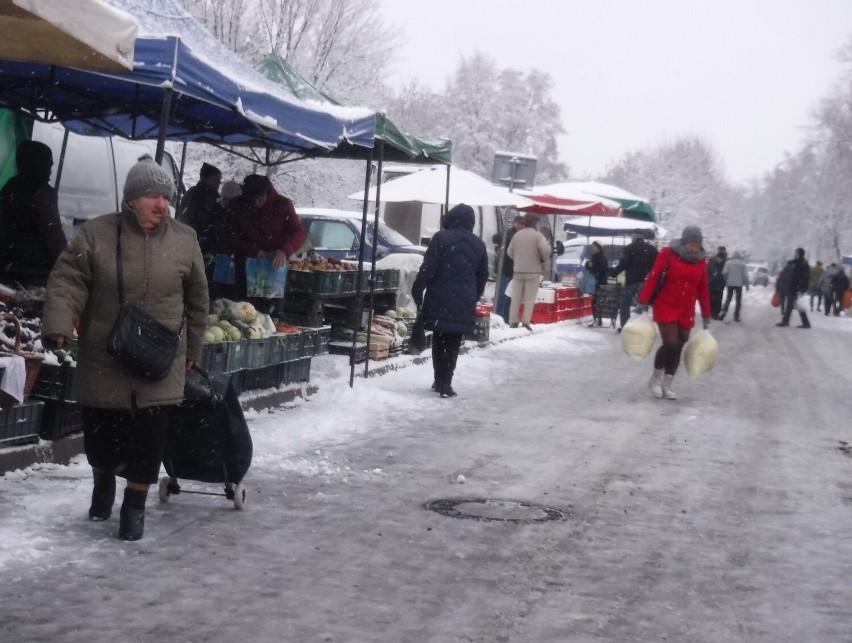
<point>716,281</point>
<point>736,277</point>
<point>636,262</point>
<point>839,286</point>
<point>598,267</point>
<point>813,285</point>
<point>507,271</point>
<point>826,288</point>
<point>684,265</point>
<point>450,282</point>
<point>530,251</point>
<point>791,284</point>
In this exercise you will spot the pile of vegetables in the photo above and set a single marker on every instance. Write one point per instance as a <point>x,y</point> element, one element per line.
<point>234,320</point>
<point>321,263</point>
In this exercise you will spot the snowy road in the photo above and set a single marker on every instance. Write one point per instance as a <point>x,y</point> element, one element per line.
<point>723,516</point>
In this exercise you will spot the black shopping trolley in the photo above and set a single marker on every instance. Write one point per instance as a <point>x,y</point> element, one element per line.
<point>208,439</point>
<point>607,302</point>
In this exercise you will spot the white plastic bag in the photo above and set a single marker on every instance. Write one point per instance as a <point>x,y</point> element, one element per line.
<point>510,288</point>
<point>637,336</point>
<point>701,354</point>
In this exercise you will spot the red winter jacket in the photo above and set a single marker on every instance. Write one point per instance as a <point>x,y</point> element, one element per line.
<point>685,284</point>
<point>275,226</point>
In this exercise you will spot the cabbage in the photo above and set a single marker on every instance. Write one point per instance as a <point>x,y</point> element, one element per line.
<point>637,336</point>
<point>701,354</point>
<point>244,311</point>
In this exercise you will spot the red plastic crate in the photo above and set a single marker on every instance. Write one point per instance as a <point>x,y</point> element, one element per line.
<point>544,317</point>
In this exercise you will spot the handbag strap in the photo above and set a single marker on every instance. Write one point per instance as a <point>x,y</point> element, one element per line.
<point>118,270</point>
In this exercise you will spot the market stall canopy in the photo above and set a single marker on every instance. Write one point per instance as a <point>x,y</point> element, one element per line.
<point>73,33</point>
<point>562,198</point>
<point>612,226</point>
<point>635,207</point>
<point>429,185</point>
<point>399,147</point>
<point>185,85</point>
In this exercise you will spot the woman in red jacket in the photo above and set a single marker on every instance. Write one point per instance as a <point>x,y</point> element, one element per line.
<point>681,272</point>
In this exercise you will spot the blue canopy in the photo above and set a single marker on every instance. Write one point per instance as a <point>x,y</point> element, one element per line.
<point>185,86</point>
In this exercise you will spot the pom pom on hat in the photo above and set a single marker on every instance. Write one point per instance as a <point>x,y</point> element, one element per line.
<point>147,178</point>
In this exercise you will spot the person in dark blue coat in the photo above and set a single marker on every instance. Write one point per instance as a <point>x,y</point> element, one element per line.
<point>453,276</point>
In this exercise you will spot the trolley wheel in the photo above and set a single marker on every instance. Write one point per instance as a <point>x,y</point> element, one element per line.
<point>165,492</point>
<point>239,496</point>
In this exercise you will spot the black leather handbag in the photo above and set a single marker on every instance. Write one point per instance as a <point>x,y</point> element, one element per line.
<point>137,341</point>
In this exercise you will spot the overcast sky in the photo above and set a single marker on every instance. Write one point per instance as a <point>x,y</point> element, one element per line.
<point>745,75</point>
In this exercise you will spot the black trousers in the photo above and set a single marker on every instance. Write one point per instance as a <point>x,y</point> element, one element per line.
<point>445,353</point>
<point>128,443</point>
<point>733,292</point>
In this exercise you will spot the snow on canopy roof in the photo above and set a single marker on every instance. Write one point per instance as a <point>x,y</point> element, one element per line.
<point>163,18</point>
<point>217,98</point>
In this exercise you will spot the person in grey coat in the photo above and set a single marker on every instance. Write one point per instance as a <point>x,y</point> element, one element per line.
<point>125,417</point>
<point>735,273</point>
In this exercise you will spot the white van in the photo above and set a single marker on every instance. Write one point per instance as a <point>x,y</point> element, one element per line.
<point>93,171</point>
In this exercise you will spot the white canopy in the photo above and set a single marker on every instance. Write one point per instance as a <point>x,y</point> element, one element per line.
<point>73,33</point>
<point>611,226</point>
<point>606,190</point>
<point>429,185</point>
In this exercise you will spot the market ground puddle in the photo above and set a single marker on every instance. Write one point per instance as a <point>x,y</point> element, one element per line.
<point>488,509</point>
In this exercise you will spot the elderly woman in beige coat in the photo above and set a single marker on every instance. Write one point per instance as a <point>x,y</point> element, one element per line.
<point>125,417</point>
<point>530,251</point>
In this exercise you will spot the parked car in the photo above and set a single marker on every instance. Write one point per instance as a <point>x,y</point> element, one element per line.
<point>577,252</point>
<point>758,274</point>
<point>337,234</point>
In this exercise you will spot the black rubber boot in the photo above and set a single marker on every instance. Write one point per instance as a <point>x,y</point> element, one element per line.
<point>447,389</point>
<point>103,495</point>
<point>436,385</point>
<point>132,524</point>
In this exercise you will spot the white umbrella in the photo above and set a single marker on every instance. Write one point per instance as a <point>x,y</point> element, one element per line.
<point>71,33</point>
<point>429,185</point>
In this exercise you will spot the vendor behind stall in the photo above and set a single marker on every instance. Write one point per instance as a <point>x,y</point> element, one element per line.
<point>31,236</point>
<point>261,223</point>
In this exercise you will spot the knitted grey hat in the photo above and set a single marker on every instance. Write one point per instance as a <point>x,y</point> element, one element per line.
<point>147,178</point>
<point>691,234</point>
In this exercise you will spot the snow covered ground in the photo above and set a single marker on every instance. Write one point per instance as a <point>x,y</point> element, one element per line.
<point>723,516</point>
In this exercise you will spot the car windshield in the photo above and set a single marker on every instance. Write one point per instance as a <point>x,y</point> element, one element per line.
<point>393,237</point>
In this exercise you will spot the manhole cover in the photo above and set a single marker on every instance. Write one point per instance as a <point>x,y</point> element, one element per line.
<point>494,510</point>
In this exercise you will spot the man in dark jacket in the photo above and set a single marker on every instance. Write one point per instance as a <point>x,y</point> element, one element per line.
<point>201,209</point>
<point>31,236</point>
<point>839,284</point>
<point>716,279</point>
<point>453,276</point>
<point>791,284</point>
<point>261,223</point>
<point>503,301</point>
<point>636,261</point>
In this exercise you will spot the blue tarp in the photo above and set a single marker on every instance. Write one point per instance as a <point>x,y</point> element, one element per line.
<point>217,97</point>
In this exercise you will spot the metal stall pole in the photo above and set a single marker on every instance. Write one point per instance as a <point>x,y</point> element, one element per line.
<point>358,306</point>
<point>373,255</point>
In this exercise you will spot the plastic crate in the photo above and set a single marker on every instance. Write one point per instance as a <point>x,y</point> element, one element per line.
<point>59,418</point>
<point>378,354</point>
<point>54,382</point>
<point>323,337</point>
<point>285,346</point>
<point>357,354</point>
<point>393,279</point>
<point>260,378</point>
<point>257,353</point>
<point>321,282</point>
<point>20,424</point>
<point>297,370</point>
<point>349,281</point>
<point>223,357</point>
<point>309,344</point>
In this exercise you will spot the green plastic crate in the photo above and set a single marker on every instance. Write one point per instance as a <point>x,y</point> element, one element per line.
<point>54,381</point>
<point>20,424</point>
<point>320,282</point>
